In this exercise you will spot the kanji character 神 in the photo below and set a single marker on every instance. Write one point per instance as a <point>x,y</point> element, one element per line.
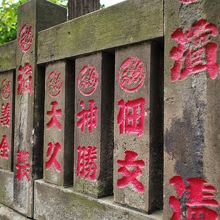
<point>52,151</point>
<point>198,197</point>
<point>54,113</point>
<point>4,148</point>
<point>86,166</point>
<point>25,80</point>
<point>195,52</point>
<point>131,117</point>
<point>130,170</point>
<point>5,118</point>
<point>22,166</point>
<point>87,118</point>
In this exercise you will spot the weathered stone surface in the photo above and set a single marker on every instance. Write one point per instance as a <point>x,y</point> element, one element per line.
<point>191,107</point>
<point>108,28</point>
<point>75,206</point>
<point>59,125</point>
<point>94,92</point>
<point>138,127</point>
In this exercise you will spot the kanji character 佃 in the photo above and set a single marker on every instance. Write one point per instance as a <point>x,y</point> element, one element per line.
<point>131,117</point>
<point>130,170</point>
<point>198,197</point>
<point>5,117</point>
<point>22,166</point>
<point>4,148</point>
<point>87,118</point>
<point>54,113</point>
<point>195,52</point>
<point>52,151</point>
<point>86,166</point>
<point>25,80</point>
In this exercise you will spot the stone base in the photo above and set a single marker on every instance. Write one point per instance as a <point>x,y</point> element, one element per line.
<point>9,214</point>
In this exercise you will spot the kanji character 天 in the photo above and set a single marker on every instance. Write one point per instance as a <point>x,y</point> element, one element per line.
<point>5,117</point>
<point>86,166</point>
<point>52,151</point>
<point>22,166</point>
<point>195,52</point>
<point>198,197</point>
<point>54,113</point>
<point>130,170</point>
<point>131,117</point>
<point>87,118</point>
<point>4,148</point>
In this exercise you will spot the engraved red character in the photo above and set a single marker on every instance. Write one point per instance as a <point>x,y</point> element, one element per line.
<point>54,83</point>
<point>130,170</point>
<point>52,152</point>
<point>187,2</point>
<point>131,74</point>
<point>25,80</point>
<point>195,52</point>
<point>87,80</point>
<point>131,117</point>
<point>5,115</point>
<point>22,166</point>
<point>86,166</point>
<point>54,113</point>
<point>25,38</point>
<point>6,89</point>
<point>4,148</point>
<point>87,118</point>
<point>197,198</point>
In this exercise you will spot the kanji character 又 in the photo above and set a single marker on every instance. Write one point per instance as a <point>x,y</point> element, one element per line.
<point>5,117</point>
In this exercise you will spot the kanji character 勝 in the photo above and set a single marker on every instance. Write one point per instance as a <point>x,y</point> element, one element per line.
<point>52,152</point>
<point>54,113</point>
<point>86,166</point>
<point>4,148</point>
<point>5,115</point>
<point>199,199</point>
<point>130,168</point>
<point>195,52</point>
<point>87,118</point>
<point>22,166</point>
<point>131,117</point>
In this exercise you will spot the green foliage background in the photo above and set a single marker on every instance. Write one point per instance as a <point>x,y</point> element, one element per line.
<point>8,18</point>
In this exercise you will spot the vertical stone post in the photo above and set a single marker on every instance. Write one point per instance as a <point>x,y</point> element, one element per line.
<point>59,124</point>
<point>192,102</point>
<point>6,119</point>
<point>138,137</point>
<point>33,16</point>
<point>94,92</point>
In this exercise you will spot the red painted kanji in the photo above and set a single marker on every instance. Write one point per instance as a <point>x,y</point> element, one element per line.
<point>25,80</point>
<point>22,166</point>
<point>86,166</point>
<point>187,2</point>
<point>6,89</point>
<point>54,83</point>
<point>4,148</point>
<point>87,118</point>
<point>195,52</point>
<point>87,80</point>
<point>25,38</point>
<point>54,113</point>
<point>131,74</point>
<point>5,115</point>
<point>199,199</point>
<point>52,152</point>
<point>131,117</point>
<point>130,168</point>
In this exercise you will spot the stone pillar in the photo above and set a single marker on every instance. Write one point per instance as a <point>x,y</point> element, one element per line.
<point>94,92</point>
<point>33,16</point>
<point>138,135</point>
<point>6,119</point>
<point>59,124</point>
<point>192,101</point>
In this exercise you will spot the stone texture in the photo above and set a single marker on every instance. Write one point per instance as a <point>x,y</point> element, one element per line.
<point>100,137</point>
<point>147,145</point>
